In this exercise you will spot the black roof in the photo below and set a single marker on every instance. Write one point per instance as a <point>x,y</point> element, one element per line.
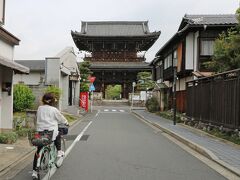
<point>115,28</point>
<point>209,19</point>
<point>115,31</point>
<point>33,65</point>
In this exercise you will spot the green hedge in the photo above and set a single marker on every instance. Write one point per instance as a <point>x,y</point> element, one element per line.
<point>23,97</point>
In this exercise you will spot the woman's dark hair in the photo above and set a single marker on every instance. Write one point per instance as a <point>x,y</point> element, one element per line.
<point>48,99</point>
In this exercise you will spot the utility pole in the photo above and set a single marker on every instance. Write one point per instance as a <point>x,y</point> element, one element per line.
<point>133,85</point>
<point>174,94</point>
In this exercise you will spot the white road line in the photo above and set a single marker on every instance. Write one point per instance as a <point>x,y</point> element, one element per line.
<point>121,110</point>
<point>106,110</point>
<point>97,113</point>
<point>53,170</point>
<point>114,110</point>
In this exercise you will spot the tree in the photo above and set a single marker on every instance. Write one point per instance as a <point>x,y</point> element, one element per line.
<point>113,92</point>
<point>145,81</point>
<point>226,50</point>
<point>85,72</point>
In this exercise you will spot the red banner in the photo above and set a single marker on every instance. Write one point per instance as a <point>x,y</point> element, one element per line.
<point>84,100</point>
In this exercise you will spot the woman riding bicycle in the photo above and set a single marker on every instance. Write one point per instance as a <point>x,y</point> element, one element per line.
<point>48,118</point>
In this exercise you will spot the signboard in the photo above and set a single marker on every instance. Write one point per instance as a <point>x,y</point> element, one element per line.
<point>73,78</point>
<point>84,100</point>
<point>92,87</point>
<point>2,11</point>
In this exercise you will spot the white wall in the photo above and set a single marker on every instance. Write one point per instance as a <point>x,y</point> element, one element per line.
<point>7,101</point>
<point>189,51</point>
<point>65,90</point>
<point>195,63</point>
<point>6,50</point>
<point>181,83</point>
<point>34,78</point>
<point>1,96</point>
<point>52,71</point>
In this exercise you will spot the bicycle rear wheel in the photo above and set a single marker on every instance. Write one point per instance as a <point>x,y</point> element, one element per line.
<point>43,165</point>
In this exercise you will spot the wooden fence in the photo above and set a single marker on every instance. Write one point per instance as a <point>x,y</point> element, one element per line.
<point>215,100</point>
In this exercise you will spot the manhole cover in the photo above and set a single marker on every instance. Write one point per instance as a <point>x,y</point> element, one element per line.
<point>84,138</point>
<point>70,137</point>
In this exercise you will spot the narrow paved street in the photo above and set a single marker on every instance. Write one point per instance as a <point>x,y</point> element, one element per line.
<point>120,146</point>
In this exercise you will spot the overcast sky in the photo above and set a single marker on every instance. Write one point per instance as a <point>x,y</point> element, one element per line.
<point>44,26</point>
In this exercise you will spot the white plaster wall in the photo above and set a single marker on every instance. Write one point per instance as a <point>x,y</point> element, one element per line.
<point>6,50</point>
<point>195,64</point>
<point>7,101</point>
<point>181,83</point>
<point>68,58</point>
<point>52,71</point>
<point>77,92</point>
<point>0,97</point>
<point>189,51</point>
<point>33,78</point>
<point>65,90</point>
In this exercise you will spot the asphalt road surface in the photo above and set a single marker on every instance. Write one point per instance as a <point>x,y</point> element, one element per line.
<point>118,146</point>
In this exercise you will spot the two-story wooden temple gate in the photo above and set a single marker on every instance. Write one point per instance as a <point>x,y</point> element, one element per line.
<point>115,48</point>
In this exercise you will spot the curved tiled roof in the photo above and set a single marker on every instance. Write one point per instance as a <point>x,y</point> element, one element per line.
<point>209,19</point>
<point>115,28</point>
<point>33,65</point>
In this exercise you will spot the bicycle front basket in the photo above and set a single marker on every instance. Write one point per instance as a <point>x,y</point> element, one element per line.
<point>63,129</point>
<point>42,138</point>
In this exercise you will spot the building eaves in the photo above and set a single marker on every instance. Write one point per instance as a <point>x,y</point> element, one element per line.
<point>210,20</point>
<point>8,37</point>
<point>18,68</point>
<point>121,65</point>
<point>173,38</point>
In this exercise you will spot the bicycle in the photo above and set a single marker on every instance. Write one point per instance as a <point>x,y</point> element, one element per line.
<point>47,155</point>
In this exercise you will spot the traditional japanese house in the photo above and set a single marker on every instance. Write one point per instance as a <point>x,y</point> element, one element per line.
<point>187,50</point>
<point>8,67</point>
<point>115,49</point>
<point>61,71</point>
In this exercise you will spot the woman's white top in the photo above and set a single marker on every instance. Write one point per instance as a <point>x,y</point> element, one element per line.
<point>48,118</point>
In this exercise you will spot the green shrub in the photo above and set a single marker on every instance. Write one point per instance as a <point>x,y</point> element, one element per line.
<point>23,97</point>
<point>23,132</point>
<point>169,115</point>
<point>152,105</point>
<point>8,138</point>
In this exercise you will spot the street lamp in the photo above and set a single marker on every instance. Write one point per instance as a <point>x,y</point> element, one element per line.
<point>133,85</point>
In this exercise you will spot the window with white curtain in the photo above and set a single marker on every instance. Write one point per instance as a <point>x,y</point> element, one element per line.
<point>169,60</point>
<point>175,58</point>
<point>207,47</point>
<point>166,63</point>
